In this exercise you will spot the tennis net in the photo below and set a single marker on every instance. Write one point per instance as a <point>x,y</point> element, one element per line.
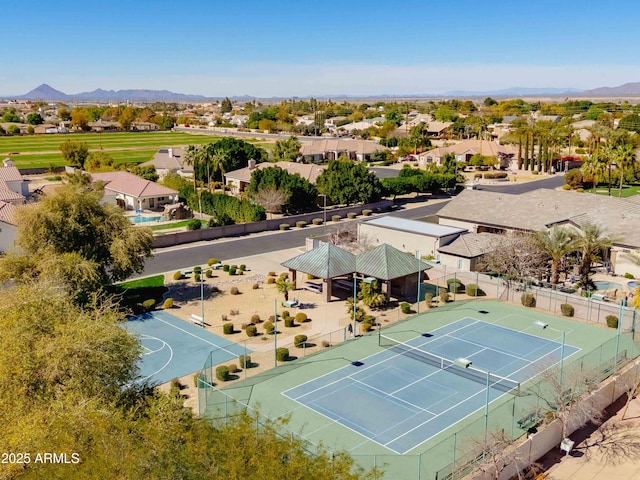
<point>479,376</point>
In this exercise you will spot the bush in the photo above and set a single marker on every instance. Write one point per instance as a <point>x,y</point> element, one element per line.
<point>317,221</point>
<point>428,298</point>
<point>197,277</point>
<point>455,286</point>
<point>282,354</point>
<point>629,275</point>
<point>474,290</point>
<point>284,226</point>
<point>285,314</point>
<point>232,270</point>
<point>567,309</point>
<point>366,327</point>
<point>272,319</point>
<point>234,291</point>
<point>255,286</point>
<point>271,281</point>
<point>212,261</point>
<point>566,187</point>
<point>196,378</point>
<point>301,317</point>
<point>244,361</point>
<point>208,273</point>
<point>255,318</point>
<point>225,267</point>
<point>242,267</point>
<point>197,269</point>
<point>528,300</point>
<point>612,321</point>
<point>194,224</point>
<point>168,303</point>
<point>227,328</point>
<point>223,317</point>
<point>289,322</point>
<point>175,383</point>
<point>272,274</point>
<point>301,224</point>
<point>366,213</point>
<point>233,368</point>
<point>405,307</point>
<point>178,276</point>
<point>573,178</point>
<point>351,215</point>
<point>222,373</point>
<point>326,343</point>
<point>251,330</point>
<point>580,190</point>
<point>300,340</point>
<point>149,304</point>
<point>335,218</point>
<point>444,296</point>
<point>269,327</point>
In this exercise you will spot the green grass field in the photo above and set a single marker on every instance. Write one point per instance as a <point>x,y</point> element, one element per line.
<point>34,151</point>
<point>627,190</point>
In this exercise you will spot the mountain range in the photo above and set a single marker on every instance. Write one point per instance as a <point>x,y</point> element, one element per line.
<point>46,92</point>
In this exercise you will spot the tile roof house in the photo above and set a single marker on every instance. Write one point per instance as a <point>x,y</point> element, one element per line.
<point>131,192</point>
<point>466,149</point>
<point>170,160</point>
<point>239,179</point>
<point>13,188</point>
<point>332,148</point>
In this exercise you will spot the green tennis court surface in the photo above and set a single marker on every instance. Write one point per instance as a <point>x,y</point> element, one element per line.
<point>406,405</point>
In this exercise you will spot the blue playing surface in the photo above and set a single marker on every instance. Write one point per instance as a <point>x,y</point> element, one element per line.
<point>174,348</point>
<point>400,402</point>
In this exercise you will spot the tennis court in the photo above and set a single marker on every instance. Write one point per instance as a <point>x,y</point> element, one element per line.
<point>174,348</point>
<point>420,388</point>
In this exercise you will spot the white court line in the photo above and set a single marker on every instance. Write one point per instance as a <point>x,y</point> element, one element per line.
<point>165,365</point>
<point>490,348</point>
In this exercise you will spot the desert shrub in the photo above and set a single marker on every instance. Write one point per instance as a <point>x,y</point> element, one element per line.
<point>580,190</point>
<point>234,291</point>
<point>251,330</point>
<point>567,309</point>
<point>455,286</point>
<point>269,327</point>
<point>272,318</point>
<point>301,317</point>
<point>168,303</point>
<point>271,281</point>
<point>282,354</point>
<point>196,378</point>
<point>233,368</point>
<point>351,215</point>
<point>255,318</point>
<point>225,267</point>
<point>366,212</point>
<point>272,274</point>
<point>301,224</point>
<point>566,187</point>
<point>212,261</point>
<point>232,270</point>
<point>284,275</point>
<point>405,307</point>
<point>284,226</point>
<point>285,314</point>
<point>366,327</point>
<point>444,296</point>
<point>242,267</point>
<point>326,343</point>
<point>234,312</point>
<point>255,286</point>
<point>197,269</point>
<point>243,326</point>
<point>317,221</point>
<point>335,218</point>
<point>149,304</point>
<point>227,328</point>
<point>223,317</point>
<point>573,178</point>
<point>197,277</point>
<point>528,300</point>
<point>178,276</point>
<point>428,298</point>
<point>474,290</point>
<point>300,340</point>
<point>222,373</point>
<point>208,273</point>
<point>194,224</point>
<point>629,275</point>
<point>175,383</point>
<point>612,321</point>
<point>244,361</point>
<point>289,322</point>
<point>535,172</point>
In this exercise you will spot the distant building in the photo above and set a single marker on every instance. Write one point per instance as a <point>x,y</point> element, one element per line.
<point>170,160</point>
<point>239,179</point>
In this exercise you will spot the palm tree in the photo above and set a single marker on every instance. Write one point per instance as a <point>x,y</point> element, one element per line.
<point>594,167</point>
<point>556,243</point>
<point>193,157</point>
<point>591,243</point>
<point>284,286</point>
<point>625,157</point>
<point>220,163</point>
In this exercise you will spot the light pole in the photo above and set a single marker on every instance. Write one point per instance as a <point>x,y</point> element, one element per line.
<point>202,297</point>
<point>564,333</point>
<point>419,279</point>
<point>324,212</point>
<point>620,321</point>
<point>355,297</point>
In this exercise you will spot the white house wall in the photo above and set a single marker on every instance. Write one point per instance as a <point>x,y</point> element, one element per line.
<point>472,227</point>
<point>405,241</point>
<point>621,264</point>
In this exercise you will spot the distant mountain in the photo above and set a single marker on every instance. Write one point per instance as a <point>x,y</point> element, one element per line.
<point>45,92</point>
<point>626,89</point>
<point>514,92</point>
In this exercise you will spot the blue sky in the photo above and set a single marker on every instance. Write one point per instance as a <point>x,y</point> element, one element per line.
<point>298,48</point>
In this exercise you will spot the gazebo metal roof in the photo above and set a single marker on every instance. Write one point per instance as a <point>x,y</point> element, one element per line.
<point>326,261</point>
<point>386,263</point>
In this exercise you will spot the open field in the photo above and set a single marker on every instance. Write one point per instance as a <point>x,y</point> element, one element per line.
<point>124,147</point>
<point>627,190</point>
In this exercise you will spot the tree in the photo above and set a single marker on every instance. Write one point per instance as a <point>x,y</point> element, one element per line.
<point>73,223</point>
<point>64,114</point>
<point>594,168</point>
<point>13,130</point>
<point>11,117</point>
<point>98,162</point>
<point>287,150</point>
<point>267,125</point>
<point>591,242</point>
<point>34,119</point>
<point>346,182</point>
<point>148,172</point>
<point>625,157</point>
<point>75,153</point>
<point>80,118</point>
<point>127,117</point>
<point>556,243</point>
<point>284,286</point>
<point>220,162</point>
<point>630,122</point>
<point>371,295</point>
<point>301,194</point>
<point>226,105</point>
<point>271,199</point>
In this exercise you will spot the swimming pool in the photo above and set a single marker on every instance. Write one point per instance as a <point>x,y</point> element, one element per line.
<point>140,219</point>
<point>605,285</point>
<point>633,284</point>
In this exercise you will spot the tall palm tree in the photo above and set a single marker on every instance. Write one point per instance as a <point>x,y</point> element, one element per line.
<point>220,163</point>
<point>625,157</point>
<point>556,243</point>
<point>594,167</point>
<point>193,157</point>
<point>591,242</point>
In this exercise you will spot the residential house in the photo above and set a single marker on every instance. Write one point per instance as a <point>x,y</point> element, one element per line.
<point>131,192</point>
<point>145,126</point>
<point>170,160</point>
<point>332,148</point>
<point>103,126</point>
<point>14,191</point>
<point>464,150</point>
<point>238,180</point>
<point>362,124</point>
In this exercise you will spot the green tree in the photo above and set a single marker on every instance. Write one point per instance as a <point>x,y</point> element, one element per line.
<point>556,243</point>
<point>75,153</point>
<point>594,168</point>
<point>127,117</point>
<point>630,122</point>
<point>148,172</point>
<point>284,286</point>
<point>80,118</point>
<point>73,223</point>
<point>591,242</point>
<point>301,194</point>
<point>64,114</point>
<point>11,117</point>
<point>625,158</point>
<point>287,150</point>
<point>346,182</point>
<point>34,119</point>
<point>98,162</point>
<point>226,105</point>
<point>13,130</point>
